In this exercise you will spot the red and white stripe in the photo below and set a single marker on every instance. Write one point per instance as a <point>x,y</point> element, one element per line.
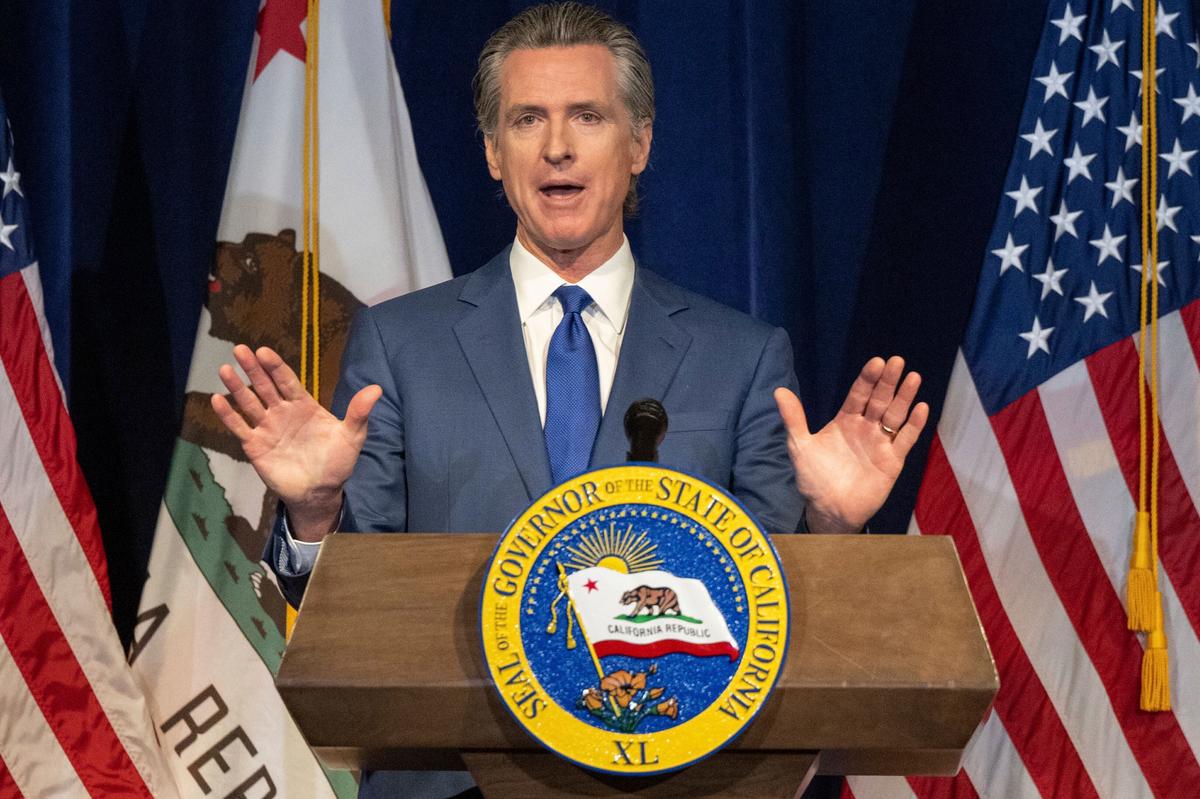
<point>72,720</point>
<point>1040,500</point>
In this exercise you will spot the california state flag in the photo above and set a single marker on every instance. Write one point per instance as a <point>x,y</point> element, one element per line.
<point>648,614</point>
<point>212,625</point>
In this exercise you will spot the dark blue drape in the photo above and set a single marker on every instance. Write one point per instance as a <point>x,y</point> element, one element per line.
<point>832,168</point>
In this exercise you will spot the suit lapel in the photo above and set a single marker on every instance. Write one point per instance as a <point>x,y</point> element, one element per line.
<point>651,351</point>
<point>491,340</point>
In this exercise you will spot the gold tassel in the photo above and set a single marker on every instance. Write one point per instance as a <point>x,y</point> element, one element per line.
<point>1156,685</point>
<point>1141,589</point>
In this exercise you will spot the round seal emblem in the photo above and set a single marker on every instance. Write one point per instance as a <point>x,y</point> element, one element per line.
<point>634,619</point>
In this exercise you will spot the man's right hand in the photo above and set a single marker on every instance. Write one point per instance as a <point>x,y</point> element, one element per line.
<point>300,450</point>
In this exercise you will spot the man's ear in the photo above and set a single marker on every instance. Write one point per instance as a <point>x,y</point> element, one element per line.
<point>493,156</point>
<point>641,148</point>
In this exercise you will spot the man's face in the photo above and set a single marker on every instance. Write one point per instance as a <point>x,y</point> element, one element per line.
<point>565,150</point>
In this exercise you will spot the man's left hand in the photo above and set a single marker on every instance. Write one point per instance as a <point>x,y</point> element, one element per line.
<point>847,469</point>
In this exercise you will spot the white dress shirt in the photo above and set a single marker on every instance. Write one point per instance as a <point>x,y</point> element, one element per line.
<point>610,286</point>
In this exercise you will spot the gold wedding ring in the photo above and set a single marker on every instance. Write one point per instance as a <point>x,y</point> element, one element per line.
<point>887,430</point>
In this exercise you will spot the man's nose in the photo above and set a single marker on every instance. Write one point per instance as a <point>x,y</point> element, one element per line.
<point>559,146</point>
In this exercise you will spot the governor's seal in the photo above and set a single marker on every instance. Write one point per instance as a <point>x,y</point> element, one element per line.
<point>634,619</point>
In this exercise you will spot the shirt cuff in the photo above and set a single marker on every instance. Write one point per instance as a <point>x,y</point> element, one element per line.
<point>296,558</point>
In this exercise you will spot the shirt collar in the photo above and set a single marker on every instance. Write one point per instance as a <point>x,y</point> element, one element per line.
<point>609,285</point>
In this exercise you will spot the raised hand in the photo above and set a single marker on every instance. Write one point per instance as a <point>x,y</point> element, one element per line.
<point>301,451</point>
<point>847,469</point>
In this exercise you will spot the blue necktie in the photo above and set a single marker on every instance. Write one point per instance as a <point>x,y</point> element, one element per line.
<point>572,389</point>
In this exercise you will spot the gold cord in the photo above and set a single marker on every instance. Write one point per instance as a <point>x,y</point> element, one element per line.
<point>1145,611</point>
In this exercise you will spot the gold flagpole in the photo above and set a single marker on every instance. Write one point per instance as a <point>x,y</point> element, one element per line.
<point>566,587</point>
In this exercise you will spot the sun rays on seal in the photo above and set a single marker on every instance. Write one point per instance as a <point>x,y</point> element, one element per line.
<point>622,551</point>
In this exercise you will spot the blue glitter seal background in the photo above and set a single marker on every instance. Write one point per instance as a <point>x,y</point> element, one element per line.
<point>686,550</point>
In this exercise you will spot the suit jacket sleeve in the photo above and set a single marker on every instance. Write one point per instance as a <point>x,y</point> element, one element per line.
<point>762,476</point>
<point>375,495</point>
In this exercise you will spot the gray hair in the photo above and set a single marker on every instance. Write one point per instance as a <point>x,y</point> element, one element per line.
<point>566,25</point>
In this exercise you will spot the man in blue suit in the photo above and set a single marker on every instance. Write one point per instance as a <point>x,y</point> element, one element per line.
<point>463,402</point>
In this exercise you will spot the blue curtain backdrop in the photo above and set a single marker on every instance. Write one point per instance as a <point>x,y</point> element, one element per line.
<point>830,167</point>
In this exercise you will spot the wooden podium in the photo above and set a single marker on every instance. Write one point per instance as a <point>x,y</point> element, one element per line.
<point>887,670</point>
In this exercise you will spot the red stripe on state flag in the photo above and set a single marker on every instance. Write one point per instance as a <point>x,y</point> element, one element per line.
<point>24,358</point>
<point>1033,724</point>
<point>1114,374</point>
<point>957,787</point>
<point>55,679</point>
<point>1190,314</point>
<point>659,649</point>
<point>1087,596</point>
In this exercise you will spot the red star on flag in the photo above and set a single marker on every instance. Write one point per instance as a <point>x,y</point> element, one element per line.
<point>590,585</point>
<point>279,29</point>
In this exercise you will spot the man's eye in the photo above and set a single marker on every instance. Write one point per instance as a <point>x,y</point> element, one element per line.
<point>589,117</point>
<point>525,120</point>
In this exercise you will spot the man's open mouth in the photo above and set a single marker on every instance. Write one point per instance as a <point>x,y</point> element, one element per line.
<point>561,190</point>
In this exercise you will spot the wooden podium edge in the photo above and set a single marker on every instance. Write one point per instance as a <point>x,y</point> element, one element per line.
<point>724,775</point>
<point>870,756</point>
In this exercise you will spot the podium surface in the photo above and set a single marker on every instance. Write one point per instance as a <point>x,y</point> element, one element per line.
<point>887,668</point>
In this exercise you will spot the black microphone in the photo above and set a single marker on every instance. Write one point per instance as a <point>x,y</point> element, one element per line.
<point>645,427</point>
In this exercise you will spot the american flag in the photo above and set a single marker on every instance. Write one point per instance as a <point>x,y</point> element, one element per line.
<point>1034,468</point>
<point>72,720</point>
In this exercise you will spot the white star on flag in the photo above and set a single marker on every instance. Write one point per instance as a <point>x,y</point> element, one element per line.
<point>1037,337</point>
<point>1107,245</point>
<point>1025,196</point>
<point>1137,73</point>
<point>1106,52</point>
<point>1054,81</point>
<point>1190,103</point>
<point>1093,302</point>
<point>1010,255</point>
<point>1163,22</point>
<point>1064,220</point>
<point>1092,107</point>
<point>1166,213</point>
<point>1132,131</point>
<point>1195,45</point>
<point>1162,267</point>
<point>1121,187</point>
<point>1178,159</point>
<point>12,180</point>
<point>1196,240</point>
<point>1051,279</point>
<point>1118,3</point>
<point>1068,25</point>
<point>6,232</point>
<point>1077,163</point>
<point>1040,139</point>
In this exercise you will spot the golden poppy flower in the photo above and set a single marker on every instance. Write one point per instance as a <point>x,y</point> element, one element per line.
<point>622,685</point>
<point>591,698</point>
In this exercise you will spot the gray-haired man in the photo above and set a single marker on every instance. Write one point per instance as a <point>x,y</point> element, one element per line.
<point>449,404</point>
